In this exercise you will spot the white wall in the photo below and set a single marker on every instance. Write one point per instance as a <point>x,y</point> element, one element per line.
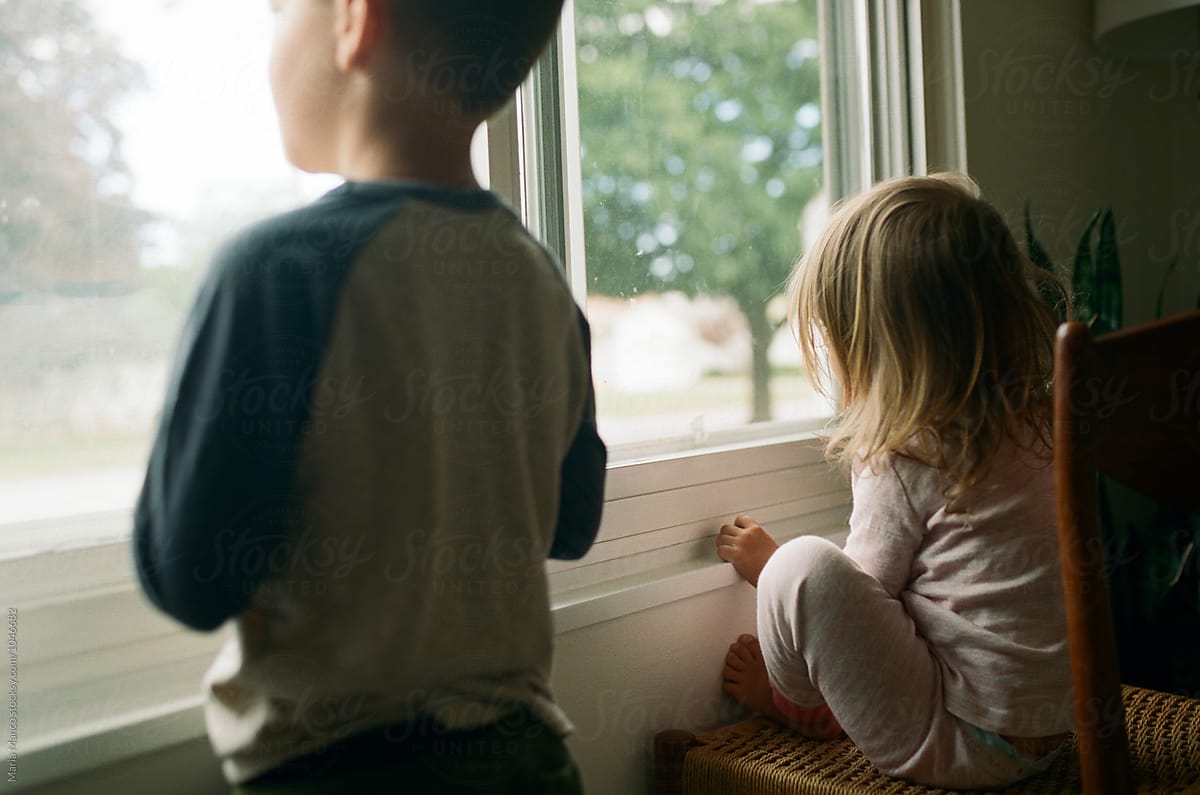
<point>1051,120</point>
<point>623,680</point>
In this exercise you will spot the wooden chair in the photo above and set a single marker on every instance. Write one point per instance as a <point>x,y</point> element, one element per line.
<point>1127,405</point>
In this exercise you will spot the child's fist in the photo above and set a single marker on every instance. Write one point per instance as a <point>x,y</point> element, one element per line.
<point>747,546</point>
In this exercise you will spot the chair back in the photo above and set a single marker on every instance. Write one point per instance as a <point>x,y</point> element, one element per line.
<point>1127,405</point>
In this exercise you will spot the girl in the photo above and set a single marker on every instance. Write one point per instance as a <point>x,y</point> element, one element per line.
<point>936,639</point>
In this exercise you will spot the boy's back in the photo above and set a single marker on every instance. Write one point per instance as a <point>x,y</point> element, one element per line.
<point>379,425</point>
<point>367,433</point>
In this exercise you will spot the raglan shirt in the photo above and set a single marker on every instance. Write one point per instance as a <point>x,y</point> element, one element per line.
<point>379,424</point>
<point>980,578</point>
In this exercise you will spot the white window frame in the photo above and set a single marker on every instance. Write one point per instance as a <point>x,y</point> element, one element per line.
<point>874,101</point>
<point>125,680</point>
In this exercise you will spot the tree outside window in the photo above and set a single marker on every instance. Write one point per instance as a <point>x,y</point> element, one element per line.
<point>701,152</point>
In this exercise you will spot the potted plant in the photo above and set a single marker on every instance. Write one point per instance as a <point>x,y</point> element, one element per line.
<point>1151,548</point>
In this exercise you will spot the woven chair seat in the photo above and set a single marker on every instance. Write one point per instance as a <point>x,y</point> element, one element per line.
<point>759,757</point>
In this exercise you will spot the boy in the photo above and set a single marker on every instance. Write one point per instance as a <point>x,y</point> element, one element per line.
<point>380,423</point>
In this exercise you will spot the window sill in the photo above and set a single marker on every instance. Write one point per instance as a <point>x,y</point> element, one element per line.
<point>716,441</point>
<point>574,610</point>
<point>106,742</point>
<point>134,734</point>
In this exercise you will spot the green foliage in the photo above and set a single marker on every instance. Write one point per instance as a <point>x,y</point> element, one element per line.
<point>1095,277</point>
<point>1154,581</point>
<point>1152,557</point>
<point>1040,258</point>
<point>65,214</point>
<point>1148,557</point>
<point>1106,293</point>
<point>701,147</point>
<point>1083,273</point>
<point>701,143</point>
<point>1036,252</point>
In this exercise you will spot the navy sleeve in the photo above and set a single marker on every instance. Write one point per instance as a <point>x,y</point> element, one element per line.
<point>583,470</point>
<point>208,523</point>
<point>211,522</point>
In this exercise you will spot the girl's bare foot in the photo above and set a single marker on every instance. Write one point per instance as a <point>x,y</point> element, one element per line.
<point>747,546</point>
<point>745,676</point>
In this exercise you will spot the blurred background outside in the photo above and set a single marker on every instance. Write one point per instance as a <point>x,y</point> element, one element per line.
<point>135,135</point>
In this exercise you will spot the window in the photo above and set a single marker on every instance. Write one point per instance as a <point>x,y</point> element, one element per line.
<point>696,145</point>
<point>128,153</point>
<point>702,177</point>
<point>676,154</point>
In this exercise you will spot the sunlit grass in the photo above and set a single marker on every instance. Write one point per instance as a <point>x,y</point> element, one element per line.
<point>71,455</point>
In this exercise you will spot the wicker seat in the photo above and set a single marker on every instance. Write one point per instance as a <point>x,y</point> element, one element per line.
<point>759,756</point>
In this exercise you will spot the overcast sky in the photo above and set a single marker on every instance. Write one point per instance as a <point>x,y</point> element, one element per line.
<point>204,134</point>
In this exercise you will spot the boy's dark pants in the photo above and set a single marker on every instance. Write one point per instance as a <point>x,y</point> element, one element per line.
<point>517,755</point>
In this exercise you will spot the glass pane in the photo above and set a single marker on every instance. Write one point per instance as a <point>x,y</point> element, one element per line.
<point>702,178</point>
<point>136,135</point>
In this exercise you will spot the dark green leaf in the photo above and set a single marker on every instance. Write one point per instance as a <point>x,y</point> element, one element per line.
<point>1107,297</point>
<point>1116,545</point>
<point>1039,257</point>
<point>1168,543</point>
<point>1083,274</point>
<point>1162,288</point>
<point>1036,253</point>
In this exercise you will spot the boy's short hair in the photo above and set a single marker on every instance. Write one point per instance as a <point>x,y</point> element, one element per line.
<point>478,51</point>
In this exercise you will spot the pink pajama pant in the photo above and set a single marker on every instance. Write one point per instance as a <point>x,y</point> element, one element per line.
<point>831,634</point>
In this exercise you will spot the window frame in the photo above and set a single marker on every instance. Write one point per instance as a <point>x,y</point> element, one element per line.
<point>880,80</point>
<point>86,628</point>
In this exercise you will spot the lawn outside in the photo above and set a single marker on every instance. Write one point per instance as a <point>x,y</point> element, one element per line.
<point>81,397</point>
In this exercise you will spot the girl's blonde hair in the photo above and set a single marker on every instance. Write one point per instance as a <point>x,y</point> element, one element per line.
<point>920,318</point>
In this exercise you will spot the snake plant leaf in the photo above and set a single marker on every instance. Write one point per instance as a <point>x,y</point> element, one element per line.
<point>1036,253</point>
<point>1167,543</point>
<point>1106,298</point>
<point>1039,257</point>
<point>1162,289</point>
<point>1083,274</point>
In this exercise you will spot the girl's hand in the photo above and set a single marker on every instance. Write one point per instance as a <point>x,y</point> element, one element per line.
<point>747,546</point>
